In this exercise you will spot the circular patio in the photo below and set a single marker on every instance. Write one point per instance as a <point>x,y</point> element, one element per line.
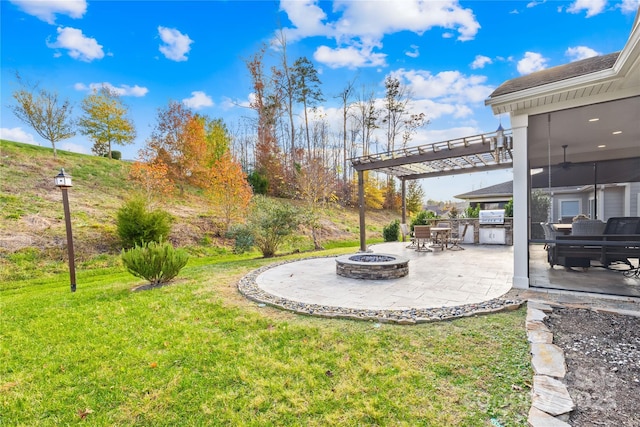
<point>440,285</point>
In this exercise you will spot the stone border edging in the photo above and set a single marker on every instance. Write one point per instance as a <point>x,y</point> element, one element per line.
<point>248,287</point>
<point>551,403</point>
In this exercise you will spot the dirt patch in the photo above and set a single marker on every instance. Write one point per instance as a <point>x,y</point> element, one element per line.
<point>602,352</point>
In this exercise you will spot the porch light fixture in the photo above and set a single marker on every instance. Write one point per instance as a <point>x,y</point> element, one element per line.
<point>617,132</point>
<point>602,146</point>
<point>63,182</point>
<point>595,119</point>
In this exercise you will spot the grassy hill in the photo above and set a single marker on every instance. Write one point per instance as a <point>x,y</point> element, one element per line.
<point>32,219</point>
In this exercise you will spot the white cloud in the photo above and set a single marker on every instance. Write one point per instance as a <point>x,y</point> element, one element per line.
<point>593,7</point>
<point>531,62</point>
<point>360,26</point>
<point>76,148</point>
<point>176,45</point>
<point>446,86</point>
<point>580,52</point>
<point>79,47</point>
<point>198,100</point>
<point>414,52</point>
<point>47,10</point>
<point>629,6</point>
<point>122,90</point>
<point>480,61</point>
<point>534,3</point>
<point>350,57</point>
<point>18,135</point>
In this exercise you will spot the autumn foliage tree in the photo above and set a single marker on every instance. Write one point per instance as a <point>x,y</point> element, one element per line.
<point>152,179</point>
<point>105,121</point>
<point>316,187</point>
<point>179,143</point>
<point>228,188</point>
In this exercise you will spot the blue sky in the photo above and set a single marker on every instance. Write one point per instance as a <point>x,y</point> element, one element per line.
<point>449,54</point>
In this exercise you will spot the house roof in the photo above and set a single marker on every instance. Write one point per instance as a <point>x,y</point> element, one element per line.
<point>504,189</point>
<point>556,74</point>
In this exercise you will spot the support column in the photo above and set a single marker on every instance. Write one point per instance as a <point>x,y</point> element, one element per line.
<point>404,205</point>
<point>519,125</point>
<point>363,235</point>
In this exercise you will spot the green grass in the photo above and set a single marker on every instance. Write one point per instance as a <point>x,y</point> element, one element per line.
<point>197,353</point>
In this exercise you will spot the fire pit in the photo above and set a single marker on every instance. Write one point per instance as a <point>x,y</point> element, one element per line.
<point>372,266</point>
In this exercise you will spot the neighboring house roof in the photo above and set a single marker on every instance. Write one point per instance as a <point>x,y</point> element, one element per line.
<point>502,190</point>
<point>556,74</point>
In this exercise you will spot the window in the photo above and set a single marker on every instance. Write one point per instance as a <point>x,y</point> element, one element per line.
<point>569,208</point>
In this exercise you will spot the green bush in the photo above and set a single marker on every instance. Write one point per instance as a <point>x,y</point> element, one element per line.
<point>391,232</point>
<point>243,237</point>
<point>137,224</point>
<point>508,209</point>
<point>471,212</point>
<point>157,262</point>
<point>423,218</point>
<point>258,182</point>
<point>272,223</point>
<point>115,155</point>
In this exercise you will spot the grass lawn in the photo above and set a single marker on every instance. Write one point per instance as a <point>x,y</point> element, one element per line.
<point>197,353</point>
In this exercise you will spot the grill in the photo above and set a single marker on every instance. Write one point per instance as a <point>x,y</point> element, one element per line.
<point>495,216</point>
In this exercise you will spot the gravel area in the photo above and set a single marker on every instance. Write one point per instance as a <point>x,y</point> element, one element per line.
<point>602,353</point>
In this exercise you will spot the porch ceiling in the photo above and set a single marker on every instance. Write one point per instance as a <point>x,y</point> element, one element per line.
<point>464,155</point>
<point>584,138</point>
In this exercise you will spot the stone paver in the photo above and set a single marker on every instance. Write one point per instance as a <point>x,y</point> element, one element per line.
<point>538,418</point>
<point>548,359</point>
<point>551,396</point>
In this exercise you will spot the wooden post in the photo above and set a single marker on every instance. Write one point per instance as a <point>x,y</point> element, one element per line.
<point>404,205</point>
<point>363,236</point>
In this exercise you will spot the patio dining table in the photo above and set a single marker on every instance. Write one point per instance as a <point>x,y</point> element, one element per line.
<point>440,237</point>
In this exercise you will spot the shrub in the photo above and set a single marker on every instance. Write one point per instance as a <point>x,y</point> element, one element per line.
<point>508,209</point>
<point>138,224</point>
<point>272,223</point>
<point>471,212</point>
<point>115,155</point>
<point>423,218</point>
<point>258,182</point>
<point>157,262</point>
<point>243,237</point>
<point>390,232</point>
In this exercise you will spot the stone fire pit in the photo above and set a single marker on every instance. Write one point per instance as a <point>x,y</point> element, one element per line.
<point>372,266</point>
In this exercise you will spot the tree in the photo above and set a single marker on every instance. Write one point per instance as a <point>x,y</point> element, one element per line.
<point>266,102</point>
<point>179,142</point>
<point>316,186</point>
<point>307,91</point>
<point>415,197</point>
<point>228,188</point>
<point>272,223</point>
<point>345,96</point>
<point>367,117</point>
<point>395,108</point>
<point>152,179</point>
<point>44,112</point>
<point>105,121</point>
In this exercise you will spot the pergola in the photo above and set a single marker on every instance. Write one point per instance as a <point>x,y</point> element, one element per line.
<point>489,151</point>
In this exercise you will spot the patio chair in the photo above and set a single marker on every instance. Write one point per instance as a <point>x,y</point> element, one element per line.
<point>422,235</point>
<point>587,227</point>
<point>406,231</point>
<point>458,237</point>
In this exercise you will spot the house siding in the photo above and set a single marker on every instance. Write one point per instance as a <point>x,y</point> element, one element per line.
<point>634,189</point>
<point>613,202</point>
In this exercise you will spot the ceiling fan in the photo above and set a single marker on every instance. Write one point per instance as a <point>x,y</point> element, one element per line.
<point>565,165</point>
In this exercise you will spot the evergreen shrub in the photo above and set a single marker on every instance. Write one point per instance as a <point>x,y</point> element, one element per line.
<point>391,231</point>
<point>137,224</point>
<point>157,262</point>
